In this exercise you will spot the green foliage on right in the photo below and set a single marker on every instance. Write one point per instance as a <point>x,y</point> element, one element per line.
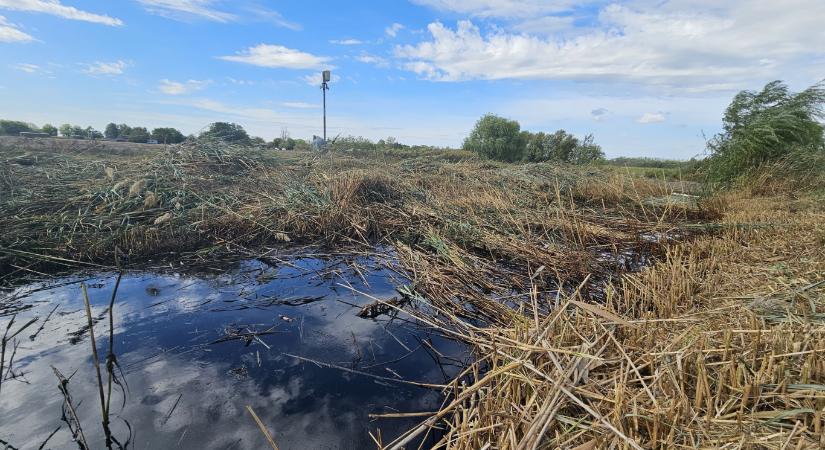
<point>764,127</point>
<point>501,139</point>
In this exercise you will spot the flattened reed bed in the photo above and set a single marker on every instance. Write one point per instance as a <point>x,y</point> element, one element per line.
<point>69,208</point>
<point>506,254</point>
<point>718,345</point>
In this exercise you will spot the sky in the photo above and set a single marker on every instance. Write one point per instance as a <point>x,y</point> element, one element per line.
<point>645,77</point>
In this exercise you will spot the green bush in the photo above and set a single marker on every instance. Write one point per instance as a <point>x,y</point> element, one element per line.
<point>496,138</point>
<point>763,127</point>
<point>227,132</point>
<point>14,127</point>
<point>501,139</point>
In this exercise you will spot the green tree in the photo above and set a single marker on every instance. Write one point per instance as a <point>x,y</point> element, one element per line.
<point>123,131</point>
<point>257,141</point>
<point>586,152</point>
<point>560,146</point>
<point>111,131</point>
<point>91,133</point>
<point>66,130</point>
<point>496,138</point>
<point>49,129</point>
<point>139,135</point>
<point>14,127</point>
<point>760,127</point>
<point>227,132</point>
<point>168,136</point>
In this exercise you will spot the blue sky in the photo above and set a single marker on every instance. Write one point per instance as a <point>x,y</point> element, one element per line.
<point>646,77</point>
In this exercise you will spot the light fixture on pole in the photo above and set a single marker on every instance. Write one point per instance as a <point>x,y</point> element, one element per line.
<point>325,87</point>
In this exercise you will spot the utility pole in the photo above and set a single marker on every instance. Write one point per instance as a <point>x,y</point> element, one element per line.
<point>325,88</point>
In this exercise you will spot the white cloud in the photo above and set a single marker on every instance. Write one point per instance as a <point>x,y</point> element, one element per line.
<point>346,42</point>
<point>372,59</point>
<point>718,48</point>
<point>262,14</point>
<point>106,68</point>
<point>392,30</point>
<point>182,9</point>
<point>28,68</point>
<point>501,8</point>
<point>241,82</point>
<point>55,8</point>
<point>300,105</point>
<point>652,118</point>
<point>546,25</point>
<point>10,33</point>
<point>180,88</point>
<point>277,56</point>
<point>186,10</point>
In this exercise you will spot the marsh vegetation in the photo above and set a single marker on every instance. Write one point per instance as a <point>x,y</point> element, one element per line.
<point>601,308</point>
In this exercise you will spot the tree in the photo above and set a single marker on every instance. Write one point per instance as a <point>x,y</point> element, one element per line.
<point>91,133</point>
<point>497,138</point>
<point>537,148</point>
<point>227,132</point>
<point>760,127</point>
<point>586,152</point>
<point>49,129</point>
<point>14,127</point>
<point>66,130</point>
<point>111,131</point>
<point>123,131</point>
<point>139,135</point>
<point>257,141</point>
<point>559,146</point>
<point>168,136</point>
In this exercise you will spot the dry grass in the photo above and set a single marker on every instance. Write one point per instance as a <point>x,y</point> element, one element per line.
<point>202,200</point>
<point>719,345</point>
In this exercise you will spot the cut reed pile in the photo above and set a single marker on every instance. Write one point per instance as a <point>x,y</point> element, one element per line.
<point>718,345</point>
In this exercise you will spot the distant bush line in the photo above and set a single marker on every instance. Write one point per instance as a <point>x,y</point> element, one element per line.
<point>502,139</point>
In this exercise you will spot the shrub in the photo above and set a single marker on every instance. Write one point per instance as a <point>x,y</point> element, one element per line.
<point>763,127</point>
<point>14,127</point>
<point>497,138</point>
<point>227,132</point>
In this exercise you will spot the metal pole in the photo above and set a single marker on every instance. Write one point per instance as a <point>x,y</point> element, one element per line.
<point>324,88</point>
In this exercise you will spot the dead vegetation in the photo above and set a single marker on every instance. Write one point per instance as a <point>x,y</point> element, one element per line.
<point>718,344</point>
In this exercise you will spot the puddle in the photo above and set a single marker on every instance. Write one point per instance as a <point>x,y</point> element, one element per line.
<point>196,350</point>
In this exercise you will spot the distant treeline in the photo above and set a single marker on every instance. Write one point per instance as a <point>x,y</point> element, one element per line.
<point>502,139</point>
<point>112,131</point>
<point>653,163</point>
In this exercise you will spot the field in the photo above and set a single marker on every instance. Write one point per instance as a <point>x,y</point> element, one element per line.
<point>605,308</point>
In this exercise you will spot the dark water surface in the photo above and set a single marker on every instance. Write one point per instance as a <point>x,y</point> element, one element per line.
<point>185,345</point>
